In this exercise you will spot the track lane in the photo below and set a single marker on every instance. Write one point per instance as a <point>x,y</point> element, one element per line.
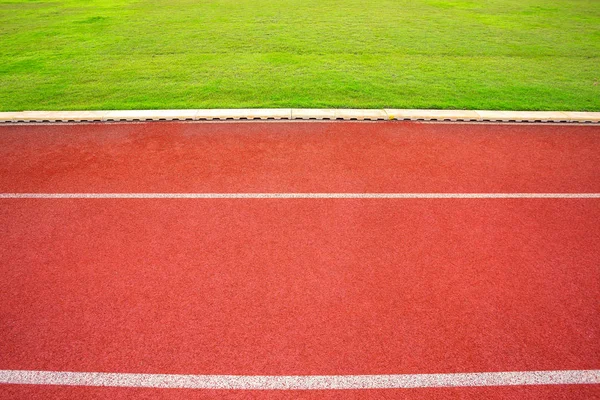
<point>385,157</point>
<point>151,285</point>
<point>295,287</point>
<point>496,393</point>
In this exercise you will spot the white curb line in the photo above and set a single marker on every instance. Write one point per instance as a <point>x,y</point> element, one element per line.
<point>300,114</point>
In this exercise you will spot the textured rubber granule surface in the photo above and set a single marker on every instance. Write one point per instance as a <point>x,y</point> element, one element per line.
<point>300,286</point>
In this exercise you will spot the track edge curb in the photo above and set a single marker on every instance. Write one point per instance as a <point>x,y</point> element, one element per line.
<point>301,114</point>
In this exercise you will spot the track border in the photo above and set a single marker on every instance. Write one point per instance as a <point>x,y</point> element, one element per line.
<point>302,114</point>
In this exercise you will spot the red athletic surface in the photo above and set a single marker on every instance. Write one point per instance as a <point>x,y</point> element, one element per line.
<point>304,286</point>
<point>299,157</point>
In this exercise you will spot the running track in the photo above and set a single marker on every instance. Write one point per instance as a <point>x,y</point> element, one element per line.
<point>301,255</point>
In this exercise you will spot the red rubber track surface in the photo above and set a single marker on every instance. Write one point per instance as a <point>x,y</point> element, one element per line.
<point>300,286</point>
<point>471,393</point>
<point>299,157</point>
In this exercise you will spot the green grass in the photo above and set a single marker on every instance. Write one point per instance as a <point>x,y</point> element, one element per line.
<point>144,54</point>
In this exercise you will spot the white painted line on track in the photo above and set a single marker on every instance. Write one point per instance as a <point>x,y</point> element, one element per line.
<point>293,382</point>
<point>299,195</point>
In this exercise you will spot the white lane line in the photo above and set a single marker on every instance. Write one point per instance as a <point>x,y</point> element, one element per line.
<point>299,195</point>
<point>315,382</point>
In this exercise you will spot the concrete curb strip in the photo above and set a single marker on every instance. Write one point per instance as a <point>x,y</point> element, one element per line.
<point>244,113</point>
<point>523,116</point>
<point>149,115</point>
<point>300,114</point>
<point>433,115</point>
<point>313,113</point>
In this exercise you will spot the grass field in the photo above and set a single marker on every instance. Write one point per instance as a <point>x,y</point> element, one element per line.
<point>124,54</point>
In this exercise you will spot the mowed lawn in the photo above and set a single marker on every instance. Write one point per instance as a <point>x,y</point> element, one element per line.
<point>125,54</point>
